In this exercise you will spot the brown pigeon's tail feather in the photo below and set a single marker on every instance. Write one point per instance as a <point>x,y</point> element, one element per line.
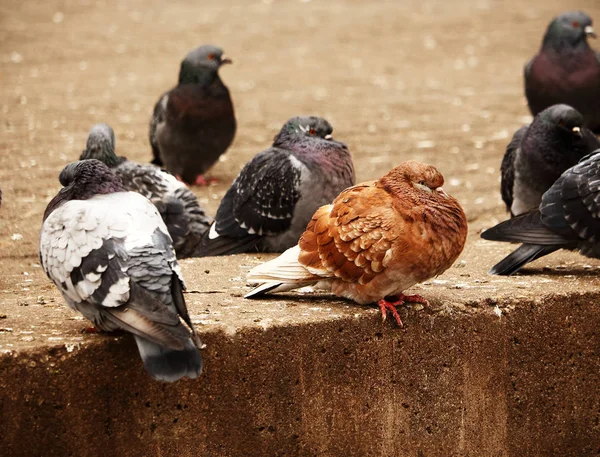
<point>280,274</point>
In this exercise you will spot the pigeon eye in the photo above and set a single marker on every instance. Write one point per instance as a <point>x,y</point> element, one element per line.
<point>575,24</point>
<point>561,123</point>
<point>210,57</point>
<point>312,131</point>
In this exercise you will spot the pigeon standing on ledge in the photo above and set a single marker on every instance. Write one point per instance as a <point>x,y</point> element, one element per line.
<point>178,206</point>
<point>110,255</point>
<point>567,218</point>
<point>566,70</point>
<point>194,123</point>
<point>273,198</point>
<point>377,239</point>
<point>539,153</point>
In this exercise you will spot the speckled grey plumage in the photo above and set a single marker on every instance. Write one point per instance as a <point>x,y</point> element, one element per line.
<point>193,124</point>
<point>186,220</point>
<point>110,255</point>
<point>275,195</point>
<point>539,153</point>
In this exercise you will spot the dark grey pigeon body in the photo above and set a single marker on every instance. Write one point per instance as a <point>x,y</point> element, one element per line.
<point>273,198</point>
<point>185,219</point>
<point>539,153</point>
<point>194,123</point>
<point>568,218</point>
<point>111,256</point>
<point>566,70</point>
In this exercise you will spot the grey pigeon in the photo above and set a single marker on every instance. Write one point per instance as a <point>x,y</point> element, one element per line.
<point>178,205</point>
<point>566,69</point>
<point>567,218</point>
<point>539,153</point>
<point>111,256</point>
<point>275,195</point>
<point>193,123</point>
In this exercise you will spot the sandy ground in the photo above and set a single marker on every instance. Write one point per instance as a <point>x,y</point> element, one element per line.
<point>437,81</point>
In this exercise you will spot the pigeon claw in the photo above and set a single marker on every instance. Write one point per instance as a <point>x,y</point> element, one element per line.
<point>90,330</point>
<point>202,181</point>
<point>386,305</point>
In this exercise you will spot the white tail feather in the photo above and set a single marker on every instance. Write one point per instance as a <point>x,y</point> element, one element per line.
<point>280,274</point>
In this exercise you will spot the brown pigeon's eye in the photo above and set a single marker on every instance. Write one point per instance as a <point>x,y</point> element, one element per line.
<point>312,131</point>
<point>561,123</point>
<point>575,24</point>
<point>210,57</point>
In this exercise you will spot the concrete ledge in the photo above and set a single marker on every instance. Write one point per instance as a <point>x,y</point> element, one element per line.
<point>312,376</point>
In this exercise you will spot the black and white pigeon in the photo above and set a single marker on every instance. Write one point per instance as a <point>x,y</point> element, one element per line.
<point>539,153</point>
<point>194,123</point>
<point>111,256</point>
<point>566,69</point>
<point>567,218</point>
<point>273,198</point>
<point>185,219</point>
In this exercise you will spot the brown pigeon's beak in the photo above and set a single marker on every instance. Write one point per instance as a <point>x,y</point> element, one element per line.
<point>440,191</point>
<point>577,131</point>
<point>589,31</point>
<point>225,59</point>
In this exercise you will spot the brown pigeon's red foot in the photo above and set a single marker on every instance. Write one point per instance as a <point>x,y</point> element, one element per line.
<point>202,181</point>
<point>385,305</point>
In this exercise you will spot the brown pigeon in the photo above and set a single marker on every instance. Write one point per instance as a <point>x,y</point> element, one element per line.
<point>376,240</point>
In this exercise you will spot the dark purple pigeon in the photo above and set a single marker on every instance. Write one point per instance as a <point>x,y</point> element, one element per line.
<point>566,70</point>
<point>193,124</point>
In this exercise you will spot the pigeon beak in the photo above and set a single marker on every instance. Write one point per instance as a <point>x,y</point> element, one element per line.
<point>577,131</point>
<point>328,137</point>
<point>440,191</point>
<point>225,59</point>
<point>589,31</point>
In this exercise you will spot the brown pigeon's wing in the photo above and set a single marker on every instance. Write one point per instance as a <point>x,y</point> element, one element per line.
<point>353,240</point>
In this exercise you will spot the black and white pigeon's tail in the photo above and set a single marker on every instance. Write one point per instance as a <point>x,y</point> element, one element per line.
<point>169,365</point>
<point>280,275</point>
<point>519,257</point>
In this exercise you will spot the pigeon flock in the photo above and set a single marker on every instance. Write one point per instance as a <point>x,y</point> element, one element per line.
<point>112,235</point>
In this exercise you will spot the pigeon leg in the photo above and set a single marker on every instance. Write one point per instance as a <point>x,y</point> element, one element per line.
<point>385,305</point>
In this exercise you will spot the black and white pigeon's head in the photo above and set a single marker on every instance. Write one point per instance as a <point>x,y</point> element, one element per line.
<point>202,64</point>
<point>100,145</point>
<point>569,30</point>
<point>82,180</point>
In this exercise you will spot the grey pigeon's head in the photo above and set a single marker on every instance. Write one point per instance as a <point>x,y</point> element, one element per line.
<point>561,117</point>
<point>82,180</point>
<point>569,30</point>
<point>201,65</point>
<point>310,126</point>
<point>101,145</point>
<point>90,177</point>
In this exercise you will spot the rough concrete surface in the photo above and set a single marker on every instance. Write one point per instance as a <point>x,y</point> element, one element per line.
<point>494,367</point>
